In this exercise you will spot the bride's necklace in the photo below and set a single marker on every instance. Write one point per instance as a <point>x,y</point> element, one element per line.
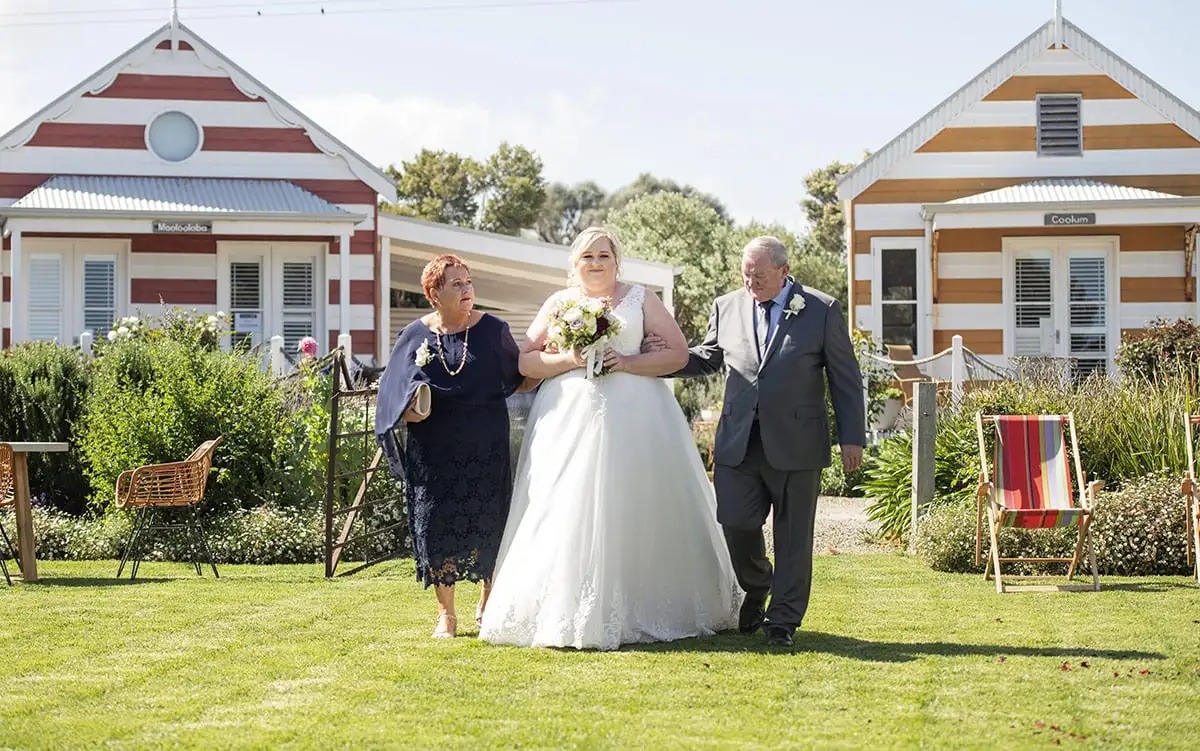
<point>442,350</point>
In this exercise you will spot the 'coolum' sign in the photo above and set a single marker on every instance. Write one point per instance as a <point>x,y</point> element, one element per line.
<point>1069,220</point>
<point>183,228</point>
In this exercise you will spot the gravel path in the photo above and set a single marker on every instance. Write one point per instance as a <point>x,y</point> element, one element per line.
<point>842,527</point>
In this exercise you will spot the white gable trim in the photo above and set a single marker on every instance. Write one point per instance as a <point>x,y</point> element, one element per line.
<point>1108,62</point>
<point>212,58</point>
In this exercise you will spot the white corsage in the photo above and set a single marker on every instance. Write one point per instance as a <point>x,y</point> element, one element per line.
<point>795,305</point>
<point>424,355</point>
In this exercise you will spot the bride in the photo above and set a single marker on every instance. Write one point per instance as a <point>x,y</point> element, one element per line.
<point>612,535</point>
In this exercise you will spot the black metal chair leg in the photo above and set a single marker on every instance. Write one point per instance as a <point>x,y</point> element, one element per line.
<point>204,543</point>
<point>150,526</point>
<point>139,519</point>
<point>4,568</point>
<point>10,546</point>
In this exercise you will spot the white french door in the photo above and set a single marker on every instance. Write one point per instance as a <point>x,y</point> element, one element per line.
<point>1060,293</point>
<point>271,288</point>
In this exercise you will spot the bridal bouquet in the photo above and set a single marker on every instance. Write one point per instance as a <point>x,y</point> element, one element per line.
<point>584,324</point>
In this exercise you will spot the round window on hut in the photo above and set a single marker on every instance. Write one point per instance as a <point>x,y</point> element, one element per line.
<point>173,136</point>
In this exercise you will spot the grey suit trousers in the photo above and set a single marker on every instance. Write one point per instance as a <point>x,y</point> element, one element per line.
<point>745,495</point>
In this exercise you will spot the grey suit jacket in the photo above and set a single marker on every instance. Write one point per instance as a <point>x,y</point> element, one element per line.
<point>786,391</point>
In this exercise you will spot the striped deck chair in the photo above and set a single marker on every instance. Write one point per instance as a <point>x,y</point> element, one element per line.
<point>1191,493</point>
<point>1032,489</point>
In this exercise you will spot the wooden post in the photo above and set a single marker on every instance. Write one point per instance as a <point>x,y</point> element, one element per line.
<point>924,427</point>
<point>279,362</point>
<point>26,547</point>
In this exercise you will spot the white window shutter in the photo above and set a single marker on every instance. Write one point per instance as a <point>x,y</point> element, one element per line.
<point>1033,307</point>
<point>246,298</point>
<point>1088,301</point>
<point>99,294</point>
<point>45,297</point>
<point>298,301</point>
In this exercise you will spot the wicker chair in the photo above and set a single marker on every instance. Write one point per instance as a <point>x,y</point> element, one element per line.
<point>166,490</point>
<point>6,504</point>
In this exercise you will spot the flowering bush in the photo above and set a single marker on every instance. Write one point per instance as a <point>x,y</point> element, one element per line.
<point>263,535</point>
<point>1136,531</point>
<point>202,331</point>
<point>129,327</point>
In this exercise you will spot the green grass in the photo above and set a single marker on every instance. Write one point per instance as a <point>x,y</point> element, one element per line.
<point>892,656</point>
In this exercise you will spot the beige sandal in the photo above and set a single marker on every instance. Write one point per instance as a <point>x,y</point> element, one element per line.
<point>447,627</point>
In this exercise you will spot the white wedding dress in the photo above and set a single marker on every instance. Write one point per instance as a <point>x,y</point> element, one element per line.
<point>612,537</point>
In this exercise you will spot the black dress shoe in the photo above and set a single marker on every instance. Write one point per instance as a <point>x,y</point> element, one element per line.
<point>780,636</point>
<point>750,617</point>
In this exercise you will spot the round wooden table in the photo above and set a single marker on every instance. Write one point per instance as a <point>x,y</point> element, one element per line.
<point>26,550</point>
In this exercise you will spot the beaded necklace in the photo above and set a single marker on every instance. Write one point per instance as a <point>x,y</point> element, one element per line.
<point>442,352</point>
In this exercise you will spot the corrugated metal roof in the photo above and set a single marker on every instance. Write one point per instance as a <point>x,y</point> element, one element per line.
<point>1062,190</point>
<point>176,195</point>
<point>1110,63</point>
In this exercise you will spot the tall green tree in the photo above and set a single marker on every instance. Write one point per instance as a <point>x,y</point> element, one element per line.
<point>684,231</point>
<point>566,210</point>
<point>647,184</point>
<point>823,210</point>
<point>503,194</point>
<point>513,190</point>
<point>439,186</point>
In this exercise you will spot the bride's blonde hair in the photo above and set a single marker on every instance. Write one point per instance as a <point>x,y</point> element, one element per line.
<point>585,240</point>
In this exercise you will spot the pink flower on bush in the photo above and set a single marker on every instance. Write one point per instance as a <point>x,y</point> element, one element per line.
<point>308,346</point>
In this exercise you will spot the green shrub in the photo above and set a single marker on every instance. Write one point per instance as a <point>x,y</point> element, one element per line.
<point>888,474</point>
<point>1163,346</point>
<point>43,389</point>
<point>695,394</point>
<point>156,400</point>
<point>946,541</point>
<point>1137,531</point>
<point>262,535</point>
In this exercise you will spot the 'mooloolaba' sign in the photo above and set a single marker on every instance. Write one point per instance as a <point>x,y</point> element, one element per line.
<point>183,228</point>
<point>1069,220</point>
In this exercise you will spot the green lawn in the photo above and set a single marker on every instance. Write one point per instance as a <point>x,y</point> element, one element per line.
<point>892,656</point>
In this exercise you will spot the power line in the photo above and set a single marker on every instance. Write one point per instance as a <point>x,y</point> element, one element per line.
<point>263,10</point>
<point>156,9</point>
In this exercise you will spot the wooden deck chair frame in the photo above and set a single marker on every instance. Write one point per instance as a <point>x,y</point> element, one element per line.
<point>6,500</point>
<point>1190,494</point>
<point>997,516</point>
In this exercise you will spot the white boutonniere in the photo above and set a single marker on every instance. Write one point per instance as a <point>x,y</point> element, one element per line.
<point>424,355</point>
<point>795,305</point>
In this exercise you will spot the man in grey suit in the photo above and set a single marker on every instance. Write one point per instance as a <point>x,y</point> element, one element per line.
<point>778,343</point>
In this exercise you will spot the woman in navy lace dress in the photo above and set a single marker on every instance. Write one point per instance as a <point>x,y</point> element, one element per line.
<point>455,463</point>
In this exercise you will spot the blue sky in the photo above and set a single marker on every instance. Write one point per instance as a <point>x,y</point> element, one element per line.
<point>738,97</point>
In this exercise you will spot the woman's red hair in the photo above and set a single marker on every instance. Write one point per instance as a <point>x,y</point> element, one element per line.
<point>434,275</point>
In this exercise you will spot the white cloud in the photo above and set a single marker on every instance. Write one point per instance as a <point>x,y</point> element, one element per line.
<point>385,131</point>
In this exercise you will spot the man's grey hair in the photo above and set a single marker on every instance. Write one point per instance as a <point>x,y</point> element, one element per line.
<point>772,246</point>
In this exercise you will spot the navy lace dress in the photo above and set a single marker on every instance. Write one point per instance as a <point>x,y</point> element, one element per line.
<point>456,462</point>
